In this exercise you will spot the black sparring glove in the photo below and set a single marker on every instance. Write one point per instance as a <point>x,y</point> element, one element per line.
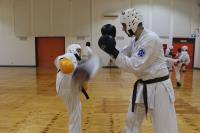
<point>108,29</point>
<point>107,43</point>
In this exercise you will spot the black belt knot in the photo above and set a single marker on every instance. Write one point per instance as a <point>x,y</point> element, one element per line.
<point>150,81</point>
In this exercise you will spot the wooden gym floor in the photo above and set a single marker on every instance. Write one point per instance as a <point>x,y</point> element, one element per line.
<point>28,102</point>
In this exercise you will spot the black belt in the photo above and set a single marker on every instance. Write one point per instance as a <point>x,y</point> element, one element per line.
<point>82,89</point>
<point>84,92</point>
<point>150,81</point>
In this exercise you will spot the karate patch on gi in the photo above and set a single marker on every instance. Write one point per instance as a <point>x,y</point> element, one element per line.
<point>141,53</point>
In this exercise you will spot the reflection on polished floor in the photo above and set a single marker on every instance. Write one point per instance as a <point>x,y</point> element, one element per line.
<point>28,102</point>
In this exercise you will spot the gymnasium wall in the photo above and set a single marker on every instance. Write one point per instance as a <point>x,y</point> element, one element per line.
<point>81,20</point>
<point>13,51</point>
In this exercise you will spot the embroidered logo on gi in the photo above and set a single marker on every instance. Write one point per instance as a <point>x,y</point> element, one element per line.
<point>141,53</point>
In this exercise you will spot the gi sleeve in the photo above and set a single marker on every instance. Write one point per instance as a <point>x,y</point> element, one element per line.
<point>127,50</point>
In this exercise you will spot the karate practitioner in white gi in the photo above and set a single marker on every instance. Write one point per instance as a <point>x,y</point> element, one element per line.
<point>184,59</point>
<point>87,51</point>
<point>69,93</point>
<point>72,77</point>
<point>170,54</point>
<point>153,91</point>
<point>187,61</point>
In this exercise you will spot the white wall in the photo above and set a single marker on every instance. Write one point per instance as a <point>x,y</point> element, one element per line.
<point>182,18</point>
<point>161,15</point>
<point>197,51</point>
<point>81,21</point>
<point>13,51</point>
<point>17,52</point>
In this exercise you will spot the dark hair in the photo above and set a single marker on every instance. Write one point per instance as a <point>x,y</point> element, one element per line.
<point>179,50</point>
<point>87,44</point>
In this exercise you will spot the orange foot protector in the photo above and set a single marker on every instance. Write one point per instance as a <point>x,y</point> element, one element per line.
<point>66,66</point>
